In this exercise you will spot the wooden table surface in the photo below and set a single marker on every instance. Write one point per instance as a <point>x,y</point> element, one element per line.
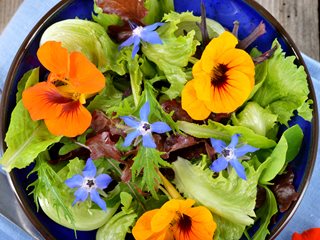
<point>300,18</point>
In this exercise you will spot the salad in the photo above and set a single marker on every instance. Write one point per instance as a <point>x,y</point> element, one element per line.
<point>147,123</point>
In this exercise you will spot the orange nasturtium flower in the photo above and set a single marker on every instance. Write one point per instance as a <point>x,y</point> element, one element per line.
<point>222,79</point>
<point>310,234</point>
<point>59,100</point>
<point>176,219</point>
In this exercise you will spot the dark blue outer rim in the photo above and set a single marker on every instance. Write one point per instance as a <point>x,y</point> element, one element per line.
<point>262,11</point>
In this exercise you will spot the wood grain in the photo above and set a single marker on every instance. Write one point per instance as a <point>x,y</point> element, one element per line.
<point>7,9</point>
<point>300,18</point>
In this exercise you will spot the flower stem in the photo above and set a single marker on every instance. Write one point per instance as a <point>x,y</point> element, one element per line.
<point>171,190</point>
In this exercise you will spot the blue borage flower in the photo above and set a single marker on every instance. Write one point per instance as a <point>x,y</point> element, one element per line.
<point>143,128</point>
<point>229,155</point>
<point>146,34</point>
<point>87,183</point>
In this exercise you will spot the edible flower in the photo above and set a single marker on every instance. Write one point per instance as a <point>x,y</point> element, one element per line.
<point>89,183</point>
<point>176,219</point>
<point>310,234</point>
<point>143,128</point>
<point>229,155</point>
<point>59,100</point>
<point>222,79</point>
<point>146,34</point>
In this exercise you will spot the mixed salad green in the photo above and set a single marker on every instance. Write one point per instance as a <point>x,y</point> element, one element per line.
<point>142,143</point>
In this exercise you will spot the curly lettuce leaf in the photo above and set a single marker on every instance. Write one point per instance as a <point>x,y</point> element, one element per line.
<point>285,88</point>
<point>156,10</point>
<point>261,121</point>
<point>231,198</point>
<point>28,79</point>
<point>224,132</point>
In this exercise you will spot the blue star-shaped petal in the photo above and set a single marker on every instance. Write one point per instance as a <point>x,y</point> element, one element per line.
<point>88,183</point>
<point>146,34</point>
<point>143,128</point>
<point>229,155</point>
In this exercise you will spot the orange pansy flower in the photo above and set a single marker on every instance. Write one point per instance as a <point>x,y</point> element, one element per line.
<point>310,234</point>
<point>59,100</point>
<point>176,219</point>
<point>223,79</point>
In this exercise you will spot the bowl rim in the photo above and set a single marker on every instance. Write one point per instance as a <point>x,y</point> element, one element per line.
<point>14,184</point>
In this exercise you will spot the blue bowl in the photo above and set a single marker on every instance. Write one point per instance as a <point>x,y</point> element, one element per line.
<point>247,12</point>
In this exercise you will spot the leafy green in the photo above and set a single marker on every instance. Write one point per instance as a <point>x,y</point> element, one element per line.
<point>285,88</point>
<point>227,230</point>
<point>172,56</point>
<point>91,39</point>
<point>305,110</point>
<point>224,132</point>
<point>253,116</point>
<point>148,160</point>
<point>28,79</point>
<point>228,197</point>
<point>25,139</point>
<point>104,19</point>
<point>294,136</point>
<point>156,10</point>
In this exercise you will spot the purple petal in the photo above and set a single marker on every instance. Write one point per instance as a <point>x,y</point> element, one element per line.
<point>147,141</point>
<point>95,197</point>
<point>219,164</point>
<point>152,27</point>
<point>151,37</point>
<point>103,180</point>
<point>144,112</point>
<point>239,168</point>
<point>234,141</point>
<point>75,181</point>
<point>136,46</point>
<point>130,137</point>
<point>160,127</point>
<point>239,152</point>
<point>130,121</point>
<point>127,43</point>
<point>90,169</point>
<point>218,145</point>
<point>81,195</point>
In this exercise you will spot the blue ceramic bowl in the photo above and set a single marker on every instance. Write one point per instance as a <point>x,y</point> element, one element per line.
<point>247,12</point>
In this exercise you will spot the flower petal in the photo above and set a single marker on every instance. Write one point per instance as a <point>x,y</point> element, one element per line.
<point>219,164</point>
<point>160,127</point>
<point>239,152</point>
<point>239,168</point>
<point>218,145</point>
<point>127,43</point>
<point>144,112</point>
<point>130,121</point>
<point>310,234</point>
<point>81,195</point>
<point>153,27</point>
<point>142,229</point>
<point>95,197</point>
<point>147,141</point>
<point>54,58</point>
<point>75,181</point>
<point>136,46</point>
<point>73,120</point>
<point>151,37</point>
<point>234,140</point>
<point>130,137</point>
<point>90,169</point>
<point>84,75</point>
<point>196,108</point>
<point>44,101</point>
<point>103,180</point>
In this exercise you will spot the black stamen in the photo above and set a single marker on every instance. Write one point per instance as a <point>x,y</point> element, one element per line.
<point>90,183</point>
<point>225,152</point>
<point>146,126</point>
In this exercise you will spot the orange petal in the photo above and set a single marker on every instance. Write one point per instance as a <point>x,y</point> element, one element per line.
<point>203,87</point>
<point>54,57</point>
<point>43,100</point>
<point>84,75</point>
<point>196,108</point>
<point>142,228</point>
<point>73,120</point>
<point>310,234</point>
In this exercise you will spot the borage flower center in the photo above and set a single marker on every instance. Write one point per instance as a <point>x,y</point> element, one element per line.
<point>145,128</point>
<point>137,31</point>
<point>228,153</point>
<point>89,183</point>
<point>218,75</point>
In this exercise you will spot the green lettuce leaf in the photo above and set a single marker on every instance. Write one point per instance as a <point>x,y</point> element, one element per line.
<point>255,117</point>
<point>231,198</point>
<point>227,230</point>
<point>25,139</point>
<point>104,19</point>
<point>156,10</point>
<point>28,79</point>
<point>285,88</point>
<point>225,132</point>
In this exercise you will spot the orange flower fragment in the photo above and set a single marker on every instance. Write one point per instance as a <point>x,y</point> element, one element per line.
<point>222,79</point>
<point>59,100</point>
<point>176,219</point>
<point>310,234</point>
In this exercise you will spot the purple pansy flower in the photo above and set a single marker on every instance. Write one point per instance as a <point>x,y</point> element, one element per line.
<point>229,155</point>
<point>88,183</point>
<point>146,34</point>
<point>143,128</point>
